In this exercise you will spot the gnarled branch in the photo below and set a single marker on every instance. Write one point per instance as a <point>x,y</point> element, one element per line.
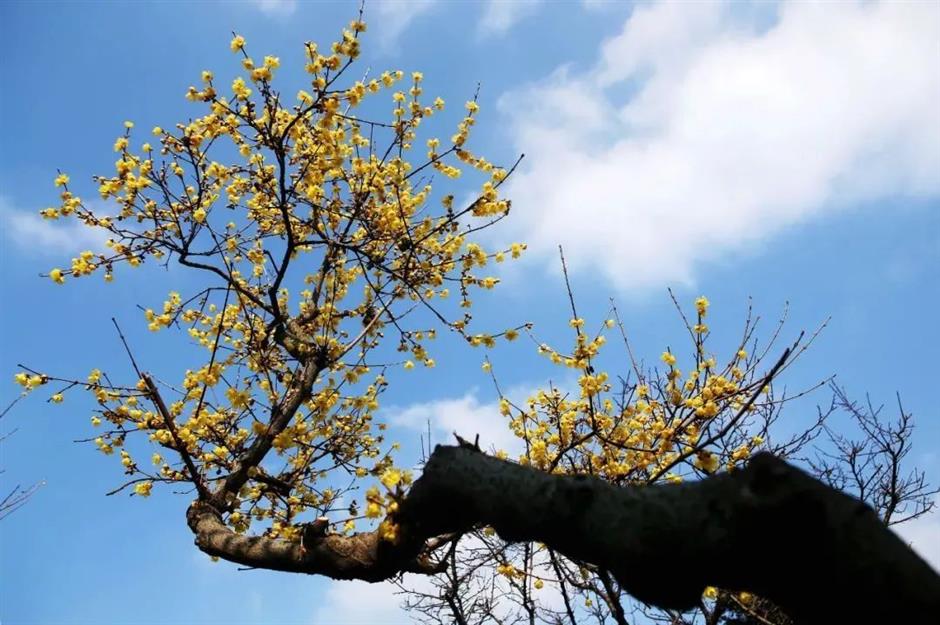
<point>769,529</point>
<point>363,556</point>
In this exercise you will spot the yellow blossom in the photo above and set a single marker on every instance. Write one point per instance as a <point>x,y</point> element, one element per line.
<point>701,305</point>
<point>391,478</point>
<point>373,510</point>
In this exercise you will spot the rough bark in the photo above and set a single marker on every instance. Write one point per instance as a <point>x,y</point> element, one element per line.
<point>769,529</point>
<point>362,556</point>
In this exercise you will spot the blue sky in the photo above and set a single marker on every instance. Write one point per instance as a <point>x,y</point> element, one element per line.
<point>789,153</point>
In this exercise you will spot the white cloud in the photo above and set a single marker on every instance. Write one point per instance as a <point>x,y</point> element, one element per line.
<point>599,5</point>
<point>276,7</point>
<point>34,235</point>
<point>923,534</point>
<point>362,603</point>
<point>392,17</point>
<point>704,130</point>
<point>464,415</point>
<point>501,15</point>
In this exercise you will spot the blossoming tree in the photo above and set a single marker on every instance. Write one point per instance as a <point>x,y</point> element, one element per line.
<point>321,249</point>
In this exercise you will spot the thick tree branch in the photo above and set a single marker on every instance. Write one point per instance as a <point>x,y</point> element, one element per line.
<point>361,556</point>
<point>769,529</point>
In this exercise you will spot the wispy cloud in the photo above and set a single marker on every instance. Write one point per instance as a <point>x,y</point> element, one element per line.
<point>466,415</point>
<point>501,15</point>
<point>388,19</point>
<point>393,17</point>
<point>704,129</point>
<point>29,233</point>
<point>923,534</point>
<point>356,603</point>
<point>276,7</point>
<point>599,5</point>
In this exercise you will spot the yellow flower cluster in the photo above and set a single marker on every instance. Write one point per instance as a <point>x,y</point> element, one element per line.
<point>314,235</point>
<point>657,428</point>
